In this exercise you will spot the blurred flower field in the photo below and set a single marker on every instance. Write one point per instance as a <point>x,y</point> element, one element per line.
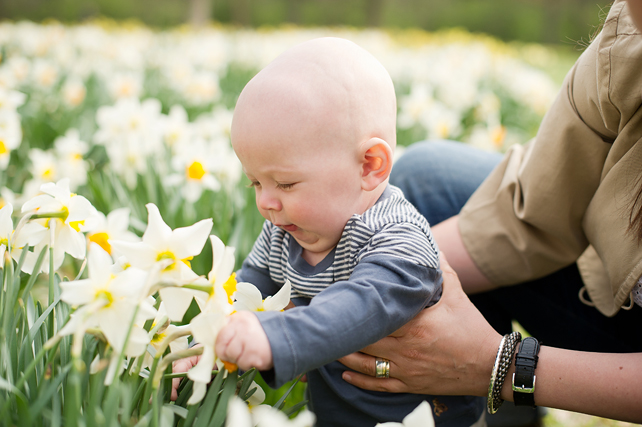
<point>120,134</point>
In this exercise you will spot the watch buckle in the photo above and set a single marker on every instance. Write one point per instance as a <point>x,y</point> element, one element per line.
<point>523,389</point>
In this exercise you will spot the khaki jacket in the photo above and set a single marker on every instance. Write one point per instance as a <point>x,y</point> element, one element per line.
<point>566,196</point>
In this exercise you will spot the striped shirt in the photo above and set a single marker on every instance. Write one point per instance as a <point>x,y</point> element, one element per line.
<point>392,227</point>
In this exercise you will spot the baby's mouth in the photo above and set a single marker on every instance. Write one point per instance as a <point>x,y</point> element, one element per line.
<point>289,227</point>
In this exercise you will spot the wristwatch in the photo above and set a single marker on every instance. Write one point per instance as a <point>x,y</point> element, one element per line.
<point>524,376</point>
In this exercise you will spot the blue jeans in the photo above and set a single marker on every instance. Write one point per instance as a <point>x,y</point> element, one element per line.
<point>438,177</point>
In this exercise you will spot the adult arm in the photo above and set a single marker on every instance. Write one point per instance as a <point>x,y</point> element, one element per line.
<point>449,240</point>
<point>450,349</point>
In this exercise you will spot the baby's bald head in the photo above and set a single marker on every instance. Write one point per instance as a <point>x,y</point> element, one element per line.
<point>325,90</point>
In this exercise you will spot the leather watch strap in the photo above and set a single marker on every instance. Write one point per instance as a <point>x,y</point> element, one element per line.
<point>524,376</point>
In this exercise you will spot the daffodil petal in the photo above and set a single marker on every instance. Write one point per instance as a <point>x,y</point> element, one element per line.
<point>198,393</point>
<point>248,297</point>
<point>157,232</point>
<point>99,263</point>
<point>77,292</point>
<point>177,301</point>
<point>71,241</point>
<point>139,254</point>
<point>202,371</point>
<point>79,209</point>
<point>421,416</point>
<point>189,241</point>
<point>118,219</point>
<point>238,414</point>
<point>280,300</point>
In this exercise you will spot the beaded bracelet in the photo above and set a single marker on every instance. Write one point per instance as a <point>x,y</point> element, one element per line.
<point>500,369</point>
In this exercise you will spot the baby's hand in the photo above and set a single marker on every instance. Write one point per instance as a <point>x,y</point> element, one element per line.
<point>244,342</point>
<point>182,365</point>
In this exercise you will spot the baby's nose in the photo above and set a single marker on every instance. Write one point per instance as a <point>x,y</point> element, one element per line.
<point>267,201</point>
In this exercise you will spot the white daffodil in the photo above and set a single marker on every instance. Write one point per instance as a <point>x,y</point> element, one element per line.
<point>173,247</point>
<point>115,226</point>
<point>62,212</point>
<point>238,413</point>
<point>73,91</point>
<point>248,298</point>
<point>194,164</point>
<point>70,151</point>
<point>268,416</point>
<point>421,416</point>
<point>6,230</point>
<point>162,329</point>
<point>176,127</point>
<point>108,302</point>
<point>205,328</point>
<point>44,165</point>
<point>10,135</point>
<point>221,280</point>
<point>10,100</point>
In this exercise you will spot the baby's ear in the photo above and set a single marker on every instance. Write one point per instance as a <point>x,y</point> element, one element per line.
<point>376,159</point>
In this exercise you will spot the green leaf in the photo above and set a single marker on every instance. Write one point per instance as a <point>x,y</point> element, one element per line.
<point>294,408</point>
<point>47,392</point>
<point>221,408</point>
<point>281,401</point>
<point>209,403</point>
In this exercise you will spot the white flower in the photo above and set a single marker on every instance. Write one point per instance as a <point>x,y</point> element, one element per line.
<point>64,213</point>
<point>44,165</point>
<point>221,278</point>
<point>115,226</point>
<point>205,328</point>
<point>162,328</point>
<point>174,247</point>
<point>108,301</point>
<point>125,85</point>
<point>74,91</point>
<point>195,163</point>
<point>6,230</point>
<point>71,150</point>
<point>176,127</point>
<point>421,416</point>
<point>268,416</point>
<point>10,135</point>
<point>248,298</point>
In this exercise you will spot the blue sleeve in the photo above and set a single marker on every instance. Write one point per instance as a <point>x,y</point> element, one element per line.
<point>255,268</point>
<point>382,294</point>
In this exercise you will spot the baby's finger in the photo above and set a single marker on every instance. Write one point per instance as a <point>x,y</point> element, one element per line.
<point>175,384</point>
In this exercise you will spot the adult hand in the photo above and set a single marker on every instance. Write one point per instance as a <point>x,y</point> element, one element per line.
<point>447,349</point>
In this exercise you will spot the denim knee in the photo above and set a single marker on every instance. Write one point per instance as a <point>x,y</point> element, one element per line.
<point>438,177</point>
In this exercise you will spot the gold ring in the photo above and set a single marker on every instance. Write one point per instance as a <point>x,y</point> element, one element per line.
<point>382,368</point>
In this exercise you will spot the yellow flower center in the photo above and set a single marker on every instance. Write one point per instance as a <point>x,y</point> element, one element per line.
<point>105,294</point>
<point>76,225</point>
<point>195,171</point>
<point>230,286</point>
<point>3,148</point>
<point>5,242</point>
<point>48,174</point>
<point>101,240</point>
<point>158,337</point>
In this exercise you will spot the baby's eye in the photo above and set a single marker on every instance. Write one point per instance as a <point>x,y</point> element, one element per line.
<point>284,186</point>
<point>254,184</point>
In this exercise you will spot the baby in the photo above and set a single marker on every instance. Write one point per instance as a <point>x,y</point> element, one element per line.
<point>315,132</point>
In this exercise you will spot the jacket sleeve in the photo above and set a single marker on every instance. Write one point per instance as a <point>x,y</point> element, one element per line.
<point>529,217</point>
